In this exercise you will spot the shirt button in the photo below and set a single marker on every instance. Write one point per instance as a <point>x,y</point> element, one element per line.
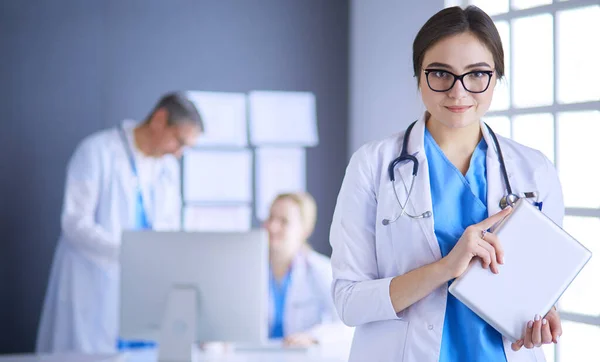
<point>430,327</point>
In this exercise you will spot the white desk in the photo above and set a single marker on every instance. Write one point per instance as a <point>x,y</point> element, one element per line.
<point>56,358</point>
<point>150,356</point>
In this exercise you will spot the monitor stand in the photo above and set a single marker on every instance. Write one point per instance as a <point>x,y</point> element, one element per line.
<point>177,338</point>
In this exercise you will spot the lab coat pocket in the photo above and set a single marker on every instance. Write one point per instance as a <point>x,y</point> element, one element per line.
<point>380,341</point>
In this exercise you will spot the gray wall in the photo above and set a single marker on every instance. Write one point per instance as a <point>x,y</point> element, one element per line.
<point>69,68</point>
<point>383,92</point>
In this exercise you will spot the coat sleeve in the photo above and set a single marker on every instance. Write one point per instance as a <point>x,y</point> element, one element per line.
<point>332,333</point>
<point>360,296</point>
<point>82,192</point>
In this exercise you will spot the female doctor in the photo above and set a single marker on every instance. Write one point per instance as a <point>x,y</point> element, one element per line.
<point>300,304</point>
<point>401,233</point>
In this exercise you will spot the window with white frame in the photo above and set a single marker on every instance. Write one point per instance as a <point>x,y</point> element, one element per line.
<point>550,100</point>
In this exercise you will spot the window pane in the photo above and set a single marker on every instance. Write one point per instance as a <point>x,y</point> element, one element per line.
<point>535,131</point>
<point>580,175</point>
<point>491,7</point>
<point>578,55</point>
<point>583,295</point>
<point>500,125</point>
<point>526,4</point>
<point>533,77</point>
<point>579,342</point>
<point>501,98</point>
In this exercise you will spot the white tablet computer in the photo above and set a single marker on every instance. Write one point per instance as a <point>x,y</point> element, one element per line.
<point>541,261</point>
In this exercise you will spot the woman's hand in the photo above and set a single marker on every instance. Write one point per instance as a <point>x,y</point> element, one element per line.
<point>541,331</point>
<point>477,242</point>
<point>299,340</point>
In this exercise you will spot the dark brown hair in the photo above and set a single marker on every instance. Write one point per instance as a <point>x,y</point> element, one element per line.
<point>453,21</point>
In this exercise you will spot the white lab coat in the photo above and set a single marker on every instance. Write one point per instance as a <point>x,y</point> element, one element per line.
<point>367,254</point>
<point>80,310</point>
<point>308,304</point>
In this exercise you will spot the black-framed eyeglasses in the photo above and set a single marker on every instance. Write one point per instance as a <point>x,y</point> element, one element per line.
<point>440,80</point>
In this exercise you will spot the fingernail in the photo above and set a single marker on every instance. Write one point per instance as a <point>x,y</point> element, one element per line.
<point>544,321</point>
<point>530,324</point>
<point>537,317</point>
<point>557,338</point>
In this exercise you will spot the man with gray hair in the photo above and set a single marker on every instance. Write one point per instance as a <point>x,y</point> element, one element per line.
<point>126,177</point>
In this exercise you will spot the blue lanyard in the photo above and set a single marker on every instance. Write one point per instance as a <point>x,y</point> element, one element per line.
<point>143,222</point>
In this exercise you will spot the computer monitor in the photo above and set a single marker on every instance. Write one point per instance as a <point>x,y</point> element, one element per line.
<point>227,271</point>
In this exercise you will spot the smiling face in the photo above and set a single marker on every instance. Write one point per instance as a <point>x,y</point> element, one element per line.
<point>285,226</point>
<point>457,54</point>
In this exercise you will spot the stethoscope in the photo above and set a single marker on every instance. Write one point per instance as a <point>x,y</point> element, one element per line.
<point>509,199</point>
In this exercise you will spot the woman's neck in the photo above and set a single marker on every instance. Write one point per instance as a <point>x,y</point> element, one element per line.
<point>458,144</point>
<point>281,262</point>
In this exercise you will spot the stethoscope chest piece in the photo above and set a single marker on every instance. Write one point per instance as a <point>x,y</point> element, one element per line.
<point>508,200</point>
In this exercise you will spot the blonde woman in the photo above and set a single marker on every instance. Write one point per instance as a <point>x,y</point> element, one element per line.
<point>301,309</point>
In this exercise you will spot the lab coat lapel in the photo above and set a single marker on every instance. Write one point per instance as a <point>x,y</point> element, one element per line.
<point>296,289</point>
<point>420,198</point>
<point>123,173</point>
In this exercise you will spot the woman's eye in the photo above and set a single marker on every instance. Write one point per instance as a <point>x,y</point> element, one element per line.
<point>440,74</point>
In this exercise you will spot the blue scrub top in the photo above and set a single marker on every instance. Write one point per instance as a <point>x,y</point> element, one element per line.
<point>279,294</point>
<point>458,202</point>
